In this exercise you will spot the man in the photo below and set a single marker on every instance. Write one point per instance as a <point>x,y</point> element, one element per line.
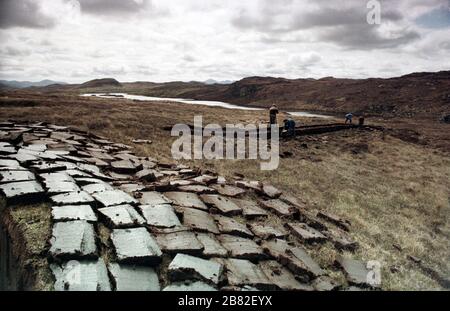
<point>291,127</point>
<point>286,124</point>
<point>273,111</point>
<point>348,117</point>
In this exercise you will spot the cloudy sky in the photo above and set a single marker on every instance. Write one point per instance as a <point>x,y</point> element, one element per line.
<point>164,40</point>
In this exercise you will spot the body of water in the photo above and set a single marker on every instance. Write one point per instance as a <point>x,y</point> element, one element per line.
<point>179,100</point>
<point>198,102</point>
<point>308,114</point>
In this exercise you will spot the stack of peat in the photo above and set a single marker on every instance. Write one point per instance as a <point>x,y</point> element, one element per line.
<point>167,226</point>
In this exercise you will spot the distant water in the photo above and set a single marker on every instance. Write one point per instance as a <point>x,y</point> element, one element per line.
<point>308,114</point>
<point>196,102</point>
<point>180,100</point>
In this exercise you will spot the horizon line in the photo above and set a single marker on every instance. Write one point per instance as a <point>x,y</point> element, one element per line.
<point>224,80</point>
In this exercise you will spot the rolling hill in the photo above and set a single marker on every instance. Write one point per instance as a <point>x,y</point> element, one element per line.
<point>108,82</point>
<point>407,96</point>
<point>25,84</point>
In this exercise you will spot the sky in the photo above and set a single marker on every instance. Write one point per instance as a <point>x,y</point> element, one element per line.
<point>186,40</point>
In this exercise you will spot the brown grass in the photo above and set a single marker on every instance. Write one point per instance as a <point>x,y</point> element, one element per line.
<point>392,191</point>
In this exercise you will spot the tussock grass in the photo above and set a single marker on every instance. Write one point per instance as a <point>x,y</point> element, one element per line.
<point>395,194</point>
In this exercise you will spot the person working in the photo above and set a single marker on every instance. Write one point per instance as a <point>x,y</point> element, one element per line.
<point>273,111</point>
<point>348,117</point>
<point>289,126</point>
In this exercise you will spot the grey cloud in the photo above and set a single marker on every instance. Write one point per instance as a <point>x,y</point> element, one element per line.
<point>11,67</point>
<point>367,37</point>
<point>392,15</point>
<point>245,21</point>
<point>105,7</point>
<point>304,62</point>
<point>230,51</point>
<point>12,51</point>
<point>328,17</point>
<point>303,20</point>
<point>45,42</point>
<point>346,26</point>
<point>445,45</point>
<point>23,13</point>
<point>189,58</point>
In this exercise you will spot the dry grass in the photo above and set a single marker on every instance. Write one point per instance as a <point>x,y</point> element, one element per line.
<point>397,193</point>
<point>393,192</point>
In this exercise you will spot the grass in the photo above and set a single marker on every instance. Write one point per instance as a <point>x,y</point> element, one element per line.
<point>392,191</point>
<point>397,193</point>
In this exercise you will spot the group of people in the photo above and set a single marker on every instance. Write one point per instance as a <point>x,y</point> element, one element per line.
<point>349,119</point>
<point>289,123</point>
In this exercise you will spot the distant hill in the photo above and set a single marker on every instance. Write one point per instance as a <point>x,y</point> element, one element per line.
<point>409,95</point>
<point>3,86</point>
<point>101,83</point>
<point>24,84</point>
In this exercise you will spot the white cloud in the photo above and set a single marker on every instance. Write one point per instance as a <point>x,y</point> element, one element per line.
<point>157,40</point>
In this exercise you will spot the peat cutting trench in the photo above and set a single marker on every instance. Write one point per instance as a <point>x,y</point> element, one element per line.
<point>122,222</point>
<point>299,130</point>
